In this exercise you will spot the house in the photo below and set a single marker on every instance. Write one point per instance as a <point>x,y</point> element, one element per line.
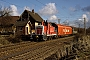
<point>27,22</point>
<point>6,23</point>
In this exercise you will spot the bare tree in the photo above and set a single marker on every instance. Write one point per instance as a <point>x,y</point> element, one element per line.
<point>5,13</point>
<point>5,18</point>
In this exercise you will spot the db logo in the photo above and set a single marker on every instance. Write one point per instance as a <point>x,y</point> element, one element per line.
<point>65,30</point>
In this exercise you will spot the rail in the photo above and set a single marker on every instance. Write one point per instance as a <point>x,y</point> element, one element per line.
<point>33,50</point>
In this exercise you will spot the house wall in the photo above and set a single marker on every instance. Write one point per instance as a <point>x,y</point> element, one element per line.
<point>20,31</point>
<point>33,30</point>
<point>30,26</point>
<point>27,29</point>
<point>36,23</point>
<point>6,29</point>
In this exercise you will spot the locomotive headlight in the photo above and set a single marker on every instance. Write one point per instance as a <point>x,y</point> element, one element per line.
<point>37,36</point>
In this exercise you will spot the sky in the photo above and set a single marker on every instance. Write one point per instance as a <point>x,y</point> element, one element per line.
<point>71,12</point>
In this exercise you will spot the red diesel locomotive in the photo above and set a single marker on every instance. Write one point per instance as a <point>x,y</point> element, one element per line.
<point>48,30</point>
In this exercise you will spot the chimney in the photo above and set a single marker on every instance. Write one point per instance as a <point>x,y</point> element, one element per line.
<point>32,10</point>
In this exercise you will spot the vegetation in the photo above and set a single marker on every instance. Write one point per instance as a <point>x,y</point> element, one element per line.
<point>3,41</point>
<point>81,30</point>
<point>5,19</point>
<point>88,31</point>
<point>5,12</point>
<point>6,39</point>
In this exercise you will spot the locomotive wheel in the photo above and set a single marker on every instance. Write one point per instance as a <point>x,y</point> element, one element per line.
<point>56,37</point>
<point>50,37</point>
<point>44,38</point>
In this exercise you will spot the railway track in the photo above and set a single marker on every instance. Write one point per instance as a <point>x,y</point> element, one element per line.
<point>32,50</point>
<point>11,50</point>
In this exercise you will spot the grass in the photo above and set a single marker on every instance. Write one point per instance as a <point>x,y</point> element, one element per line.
<point>5,40</point>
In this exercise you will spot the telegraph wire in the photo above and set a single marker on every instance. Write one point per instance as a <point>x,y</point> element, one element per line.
<point>40,2</point>
<point>35,5</point>
<point>56,5</point>
<point>10,3</point>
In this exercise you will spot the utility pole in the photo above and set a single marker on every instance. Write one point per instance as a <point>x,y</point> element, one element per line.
<point>85,26</point>
<point>79,28</point>
<point>58,21</point>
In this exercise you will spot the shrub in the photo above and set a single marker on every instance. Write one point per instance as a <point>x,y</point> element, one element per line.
<point>14,39</point>
<point>4,41</point>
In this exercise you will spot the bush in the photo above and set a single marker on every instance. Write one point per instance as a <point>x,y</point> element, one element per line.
<point>4,41</point>
<point>14,39</point>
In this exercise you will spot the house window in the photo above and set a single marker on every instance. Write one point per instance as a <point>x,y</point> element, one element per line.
<point>39,23</point>
<point>27,30</point>
<point>21,28</point>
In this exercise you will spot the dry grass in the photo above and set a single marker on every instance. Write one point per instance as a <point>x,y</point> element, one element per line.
<point>4,40</point>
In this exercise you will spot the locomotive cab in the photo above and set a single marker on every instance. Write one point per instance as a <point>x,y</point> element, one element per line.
<point>45,31</point>
<point>40,32</point>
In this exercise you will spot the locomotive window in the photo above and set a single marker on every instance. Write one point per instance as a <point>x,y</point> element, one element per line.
<point>63,30</point>
<point>68,30</point>
<point>39,23</point>
<point>39,30</point>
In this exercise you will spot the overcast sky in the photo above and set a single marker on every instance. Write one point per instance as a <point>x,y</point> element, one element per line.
<point>70,11</point>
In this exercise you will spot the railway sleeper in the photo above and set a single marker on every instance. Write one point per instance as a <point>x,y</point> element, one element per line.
<point>34,54</point>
